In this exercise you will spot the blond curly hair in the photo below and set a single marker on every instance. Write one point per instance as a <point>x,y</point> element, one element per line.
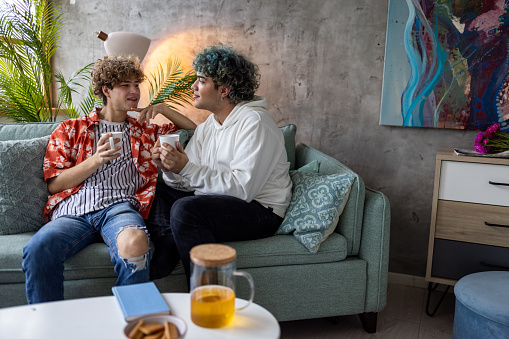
<point>112,70</point>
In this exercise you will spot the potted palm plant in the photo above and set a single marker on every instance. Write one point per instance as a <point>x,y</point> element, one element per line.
<point>29,35</point>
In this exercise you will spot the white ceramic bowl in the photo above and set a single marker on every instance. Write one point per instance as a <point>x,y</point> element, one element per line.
<point>160,319</point>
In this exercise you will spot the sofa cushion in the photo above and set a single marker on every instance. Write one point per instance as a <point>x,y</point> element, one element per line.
<point>94,260</point>
<point>317,202</point>
<point>91,262</point>
<point>29,130</point>
<point>289,135</point>
<point>312,167</point>
<point>184,136</point>
<point>23,192</point>
<point>283,250</point>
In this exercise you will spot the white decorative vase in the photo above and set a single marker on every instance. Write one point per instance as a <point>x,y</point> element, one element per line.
<point>125,43</point>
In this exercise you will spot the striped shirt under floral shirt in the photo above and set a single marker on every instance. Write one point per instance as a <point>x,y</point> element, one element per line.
<point>73,142</point>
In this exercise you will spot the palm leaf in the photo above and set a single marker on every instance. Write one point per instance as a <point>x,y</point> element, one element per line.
<point>30,32</point>
<point>18,94</point>
<point>69,87</point>
<point>170,85</point>
<point>89,102</point>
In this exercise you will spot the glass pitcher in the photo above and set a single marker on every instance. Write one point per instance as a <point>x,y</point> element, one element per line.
<point>213,285</point>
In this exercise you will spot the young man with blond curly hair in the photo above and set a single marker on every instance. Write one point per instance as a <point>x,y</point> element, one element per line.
<point>96,191</point>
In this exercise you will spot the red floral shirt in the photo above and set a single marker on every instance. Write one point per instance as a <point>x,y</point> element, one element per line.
<point>73,142</point>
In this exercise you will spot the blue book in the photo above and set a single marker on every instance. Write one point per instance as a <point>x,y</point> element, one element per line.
<point>140,300</point>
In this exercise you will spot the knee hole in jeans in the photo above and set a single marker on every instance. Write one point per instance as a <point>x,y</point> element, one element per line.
<point>132,241</point>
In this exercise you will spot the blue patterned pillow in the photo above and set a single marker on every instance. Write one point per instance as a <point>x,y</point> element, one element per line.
<point>317,202</point>
<point>23,191</point>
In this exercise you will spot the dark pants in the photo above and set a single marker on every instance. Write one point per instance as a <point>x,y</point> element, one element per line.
<point>178,221</point>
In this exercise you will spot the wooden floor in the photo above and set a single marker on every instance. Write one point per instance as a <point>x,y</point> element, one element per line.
<point>403,317</point>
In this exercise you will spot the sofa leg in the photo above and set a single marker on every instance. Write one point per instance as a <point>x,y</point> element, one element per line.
<point>368,320</point>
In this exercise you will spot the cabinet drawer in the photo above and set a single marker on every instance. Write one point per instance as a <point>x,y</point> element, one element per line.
<point>466,222</point>
<point>455,259</point>
<point>469,182</point>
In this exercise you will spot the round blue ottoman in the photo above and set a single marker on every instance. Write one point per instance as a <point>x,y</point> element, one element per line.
<point>482,306</point>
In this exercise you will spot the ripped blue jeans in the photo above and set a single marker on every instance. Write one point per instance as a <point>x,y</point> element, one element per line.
<point>60,239</point>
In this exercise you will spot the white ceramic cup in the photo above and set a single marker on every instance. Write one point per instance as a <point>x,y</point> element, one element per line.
<point>170,139</point>
<point>116,135</point>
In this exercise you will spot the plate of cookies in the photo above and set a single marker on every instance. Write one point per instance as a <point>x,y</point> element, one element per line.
<point>156,327</point>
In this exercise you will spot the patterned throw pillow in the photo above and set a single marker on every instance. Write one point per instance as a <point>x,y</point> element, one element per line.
<point>23,192</point>
<point>317,202</point>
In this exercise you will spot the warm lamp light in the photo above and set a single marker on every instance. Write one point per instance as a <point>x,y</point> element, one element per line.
<point>125,43</point>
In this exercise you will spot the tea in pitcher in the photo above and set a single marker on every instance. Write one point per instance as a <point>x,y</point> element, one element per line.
<point>213,285</point>
<point>212,306</point>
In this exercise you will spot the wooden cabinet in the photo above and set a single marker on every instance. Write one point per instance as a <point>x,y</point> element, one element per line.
<point>469,229</point>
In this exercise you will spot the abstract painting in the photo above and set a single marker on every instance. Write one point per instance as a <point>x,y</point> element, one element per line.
<point>446,64</point>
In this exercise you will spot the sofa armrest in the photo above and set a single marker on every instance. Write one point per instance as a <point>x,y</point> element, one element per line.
<point>375,248</point>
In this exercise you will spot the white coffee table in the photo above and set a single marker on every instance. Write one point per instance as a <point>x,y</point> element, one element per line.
<point>101,317</point>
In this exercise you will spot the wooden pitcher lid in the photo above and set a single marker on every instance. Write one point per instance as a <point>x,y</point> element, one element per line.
<point>212,255</point>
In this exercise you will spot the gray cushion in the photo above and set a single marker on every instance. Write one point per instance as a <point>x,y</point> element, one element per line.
<point>312,167</point>
<point>29,130</point>
<point>282,250</point>
<point>184,136</point>
<point>91,262</point>
<point>94,261</point>
<point>23,193</point>
<point>11,256</point>
<point>289,135</point>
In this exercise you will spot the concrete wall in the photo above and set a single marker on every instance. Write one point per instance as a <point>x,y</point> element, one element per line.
<point>322,67</point>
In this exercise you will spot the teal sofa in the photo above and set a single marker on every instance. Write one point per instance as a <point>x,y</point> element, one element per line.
<point>348,274</point>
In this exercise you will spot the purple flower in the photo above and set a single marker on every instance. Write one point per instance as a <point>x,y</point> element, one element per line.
<point>481,149</point>
<point>479,138</point>
<point>492,130</point>
<point>492,140</point>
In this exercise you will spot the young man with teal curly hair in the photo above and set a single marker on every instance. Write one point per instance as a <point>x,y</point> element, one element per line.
<point>231,183</point>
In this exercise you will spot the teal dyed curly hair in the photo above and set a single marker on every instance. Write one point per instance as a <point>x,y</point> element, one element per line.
<point>228,67</point>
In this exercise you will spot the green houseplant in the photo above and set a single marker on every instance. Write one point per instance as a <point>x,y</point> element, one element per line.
<point>170,85</point>
<point>29,35</point>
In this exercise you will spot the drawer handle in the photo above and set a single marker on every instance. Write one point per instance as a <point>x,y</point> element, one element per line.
<point>494,266</point>
<point>495,225</point>
<point>498,183</point>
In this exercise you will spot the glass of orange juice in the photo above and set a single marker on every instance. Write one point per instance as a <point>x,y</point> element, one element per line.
<point>213,285</point>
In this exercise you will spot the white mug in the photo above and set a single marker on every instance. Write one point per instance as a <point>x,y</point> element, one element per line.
<point>170,139</point>
<point>116,135</point>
